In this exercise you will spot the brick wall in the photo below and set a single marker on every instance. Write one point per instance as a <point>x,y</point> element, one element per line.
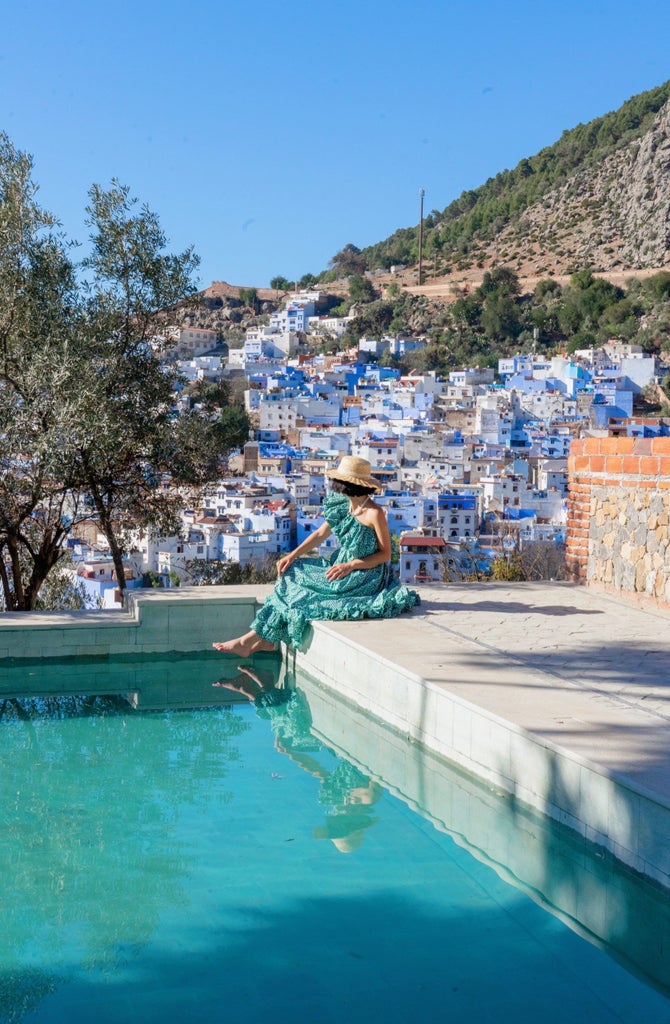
<point>619,514</point>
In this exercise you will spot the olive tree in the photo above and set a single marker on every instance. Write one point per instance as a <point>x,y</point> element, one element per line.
<point>39,400</point>
<point>87,392</point>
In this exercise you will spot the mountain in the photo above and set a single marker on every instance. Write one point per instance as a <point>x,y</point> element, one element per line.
<point>599,197</point>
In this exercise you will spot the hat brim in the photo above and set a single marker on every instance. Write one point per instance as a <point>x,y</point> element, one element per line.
<point>347,478</point>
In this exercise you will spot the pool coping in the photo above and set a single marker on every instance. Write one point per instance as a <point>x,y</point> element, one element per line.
<point>572,748</point>
<point>480,674</point>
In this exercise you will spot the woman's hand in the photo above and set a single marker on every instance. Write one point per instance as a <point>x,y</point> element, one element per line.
<point>339,571</point>
<point>285,563</point>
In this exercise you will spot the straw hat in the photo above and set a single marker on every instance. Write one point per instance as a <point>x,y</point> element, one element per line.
<point>353,470</point>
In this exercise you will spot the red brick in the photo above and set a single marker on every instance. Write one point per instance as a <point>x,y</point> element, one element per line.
<point>642,445</point>
<point>649,465</point>
<point>614,463</point>
<point>597,463</point>
<point>660,445</point>
<point>631,464</point>
<point>616,445</point>
<point>664,465</point>
<point>589,445</point>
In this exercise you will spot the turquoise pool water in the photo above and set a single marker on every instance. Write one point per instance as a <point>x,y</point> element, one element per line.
<point>231,861</point>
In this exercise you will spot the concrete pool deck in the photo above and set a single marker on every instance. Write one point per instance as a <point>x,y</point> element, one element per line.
<point>554,693</point>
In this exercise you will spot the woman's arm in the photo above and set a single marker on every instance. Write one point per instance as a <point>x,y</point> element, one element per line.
<point>307,545</point>
<point>375,518</point>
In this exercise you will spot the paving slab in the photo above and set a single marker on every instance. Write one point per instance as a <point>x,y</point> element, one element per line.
<point>557,691</point>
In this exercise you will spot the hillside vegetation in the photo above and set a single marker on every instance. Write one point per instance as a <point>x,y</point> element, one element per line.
<point>600,196</point>
<point>569,249</point>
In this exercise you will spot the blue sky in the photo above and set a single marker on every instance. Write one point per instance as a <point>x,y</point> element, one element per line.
<point>269,135</point>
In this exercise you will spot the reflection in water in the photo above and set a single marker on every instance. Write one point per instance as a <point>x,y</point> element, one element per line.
<point>148,855</point>
<point>93,792</point>
<point>347,792</point>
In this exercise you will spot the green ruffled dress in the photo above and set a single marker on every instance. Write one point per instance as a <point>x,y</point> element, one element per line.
<point>303,594</point>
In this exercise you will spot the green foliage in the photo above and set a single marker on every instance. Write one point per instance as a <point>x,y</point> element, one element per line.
<point>659,285</point>
<point>502,282</point>
<point>361,288</point>
<point>507,568</point>
<point>86,420</point>
<point>202,573</point>
<point>348,261</point>
<point>581,340</point>
<point>501,201</point>
<point>547,289</point>
<point>373,320</point>
<point>249,298</point>
<point>496,320</point>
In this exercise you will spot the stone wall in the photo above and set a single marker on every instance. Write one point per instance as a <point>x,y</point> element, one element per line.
<point>619,515</point>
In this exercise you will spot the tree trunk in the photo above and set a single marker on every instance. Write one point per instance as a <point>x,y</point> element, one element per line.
<point>116,551</point>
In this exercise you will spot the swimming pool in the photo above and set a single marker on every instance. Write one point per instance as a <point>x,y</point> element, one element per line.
<point>174,851</point>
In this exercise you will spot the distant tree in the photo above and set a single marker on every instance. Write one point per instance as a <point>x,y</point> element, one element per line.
<point>201,573</point>
<point>361,288</point>
<point>373,320</point>
<point>501,280</point>
<point>581,340</point>
<point>547,288</point>
<point>280,283</point>
<point>620,320</point>
<point>249,297</point>
<point>348,261</point>
<point>659,285</point>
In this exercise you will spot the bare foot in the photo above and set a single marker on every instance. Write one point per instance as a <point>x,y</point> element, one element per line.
<point>247,688</point>
<point>242,647</point>
<point>236,646</point>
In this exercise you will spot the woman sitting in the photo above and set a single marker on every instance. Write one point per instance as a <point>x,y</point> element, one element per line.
<point>356,582</point>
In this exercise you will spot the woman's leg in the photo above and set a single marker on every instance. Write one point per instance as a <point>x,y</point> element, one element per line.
<point>244,646</point>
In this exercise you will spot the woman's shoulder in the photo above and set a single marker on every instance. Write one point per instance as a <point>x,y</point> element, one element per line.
<point>335,507</point>
<point>335,500</point>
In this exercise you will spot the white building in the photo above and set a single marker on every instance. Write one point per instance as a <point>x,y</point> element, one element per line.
<point>187,342</point>
<point>333,326</point>
<point>421,559</point>
<point>471,377</point>
<point>270,343</point>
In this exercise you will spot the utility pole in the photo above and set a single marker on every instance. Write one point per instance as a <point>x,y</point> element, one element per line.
<point>422,193</point>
